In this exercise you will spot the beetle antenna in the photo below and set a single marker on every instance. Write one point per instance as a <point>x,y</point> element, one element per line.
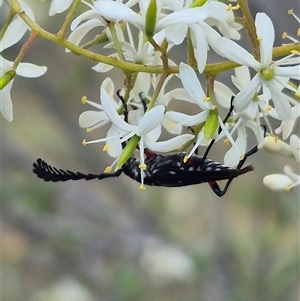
<point>52,174</point>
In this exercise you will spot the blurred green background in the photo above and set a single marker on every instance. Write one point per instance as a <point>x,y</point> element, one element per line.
<point>107,240</point>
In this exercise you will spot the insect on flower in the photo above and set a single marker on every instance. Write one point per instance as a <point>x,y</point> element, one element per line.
<point>161,170</point>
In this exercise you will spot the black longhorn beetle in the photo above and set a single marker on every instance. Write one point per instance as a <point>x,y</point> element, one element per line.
<point>161,170</point>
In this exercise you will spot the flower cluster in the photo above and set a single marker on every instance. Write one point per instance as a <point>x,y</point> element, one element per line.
<point>148,112</point>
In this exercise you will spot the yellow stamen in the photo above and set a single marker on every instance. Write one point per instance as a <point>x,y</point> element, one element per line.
<point>259,39</point>
<point>106,147</point>
<point>236,7</point>
<point>294,52</point>
<point>143,166</point>
<point>229,7</point>
<point>284,35</point>
<point>298,32</point>
<point>290,11</point>
<point>206,98</point>
<point>83,142</point>
<point>142,187</point>
<point>88,130</point>
<point>274,137</point>
<point>186,157</point>
<point>242,156</point>
<point>107,169</point>
<point>84,99</point>
<point>226,141</point>
<point>268,108</point>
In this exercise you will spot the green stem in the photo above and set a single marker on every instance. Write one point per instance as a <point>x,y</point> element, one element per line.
<point>249,26</point>
<point>69,18</point>
<point>111,26</point>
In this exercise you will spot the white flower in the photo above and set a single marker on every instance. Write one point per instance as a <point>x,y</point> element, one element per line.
<point>95,119</point>
<point>242,120</point>
<point>23,69</point>
<point>282,182</point>
<point>175,25</point>
<point>147,128</point>
<point>270,75</point>
<point>194,89</point>
<point>274,145</point>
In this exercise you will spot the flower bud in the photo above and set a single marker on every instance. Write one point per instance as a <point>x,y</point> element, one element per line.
<point>6,78</point>
<point>278,182</point>
<point>274,145</point>
<point>211,124</point>
<point>151,18</point>
<point>128,151</point>
<point>198,3</point>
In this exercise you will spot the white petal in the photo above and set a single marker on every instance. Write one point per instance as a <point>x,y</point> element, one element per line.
<point>109,87</point>
<point>277,182</point>
<point>192,85</point>
<point>295,146</point>
<point>90,14</point>
<point>242,77</point>
<point>289,72</point>
<point>280,101</point>
<point>244,97</point>
<point>199,41</point>
<point>236,53</point>
<point>115,148</point>
<point>170,126</point>
<point>223,95</point>
<point>169,145</point>
<point>186,16</point>
<point>6,107</point>
<point>58,6</point>
<point>289,172</point>
<point>16,28</point>
<point>232,156</point>
<point>14,33</point>
<point>90,118</point>
<point>287,127</point>
<point>30,70</point>
<point>112,114</point>
<point>150,120</point>
<point>5,65</point>
<point>265,32</point>
<point>187,120</point>
<point>114,11</point>
<point>176,34</point>
<point>257,130</point>
<point>81,31</point>
<point>101,67</point>
<point>176,94</point>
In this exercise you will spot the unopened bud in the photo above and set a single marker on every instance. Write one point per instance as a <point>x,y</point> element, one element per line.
<point>128,151</point>
<point>6,78</point>
<point>151,18</point>
<point>211,124</point>
<point>274,145</point>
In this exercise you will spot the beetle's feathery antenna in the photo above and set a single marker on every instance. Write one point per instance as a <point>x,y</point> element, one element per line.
<point>52,174</point>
